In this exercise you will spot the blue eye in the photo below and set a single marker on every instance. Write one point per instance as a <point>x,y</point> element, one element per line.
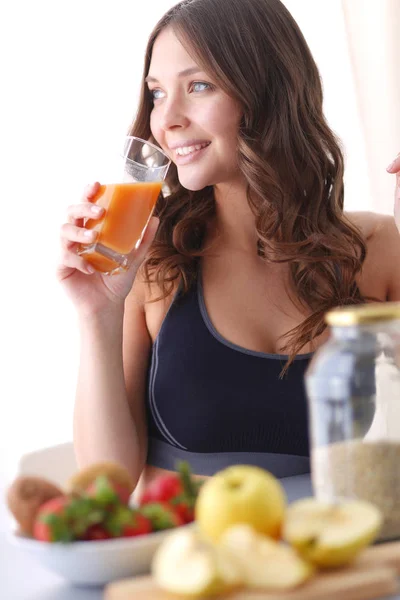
<point>156,94</point>
<point>200,86</point>
<point>195,86</point>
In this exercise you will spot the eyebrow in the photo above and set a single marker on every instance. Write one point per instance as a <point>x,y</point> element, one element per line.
<point>184,73</point>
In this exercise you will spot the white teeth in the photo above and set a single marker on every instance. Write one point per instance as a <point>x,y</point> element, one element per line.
<point>184,150</point>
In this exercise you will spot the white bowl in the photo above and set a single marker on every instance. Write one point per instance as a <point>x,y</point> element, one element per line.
<point>95,562</point>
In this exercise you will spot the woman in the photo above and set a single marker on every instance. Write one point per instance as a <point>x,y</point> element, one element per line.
<point>199,350</point>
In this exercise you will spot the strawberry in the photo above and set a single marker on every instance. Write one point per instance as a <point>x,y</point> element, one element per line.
<point>50,523</point>
<point>183,509</point>
<point>139,526</point>
<point>126,522</point>
<point>161,515</point>
<point>96,532</point>
<point>162,489</point>
<point>66,518</point>
<point>179,489</point>
<point>107,492</point>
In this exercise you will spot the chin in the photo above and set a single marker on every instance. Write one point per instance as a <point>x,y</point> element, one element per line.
<point>197,177</point>
<point>194,184</point>
<point>194,188</point>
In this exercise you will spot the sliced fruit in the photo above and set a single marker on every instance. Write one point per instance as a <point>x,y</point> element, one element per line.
<point>187,564</point>
<point>262,562</point>
<point>331,535</point>
<point>240,494</point>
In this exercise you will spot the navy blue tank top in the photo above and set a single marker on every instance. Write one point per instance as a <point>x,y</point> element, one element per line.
<point>215,404</point>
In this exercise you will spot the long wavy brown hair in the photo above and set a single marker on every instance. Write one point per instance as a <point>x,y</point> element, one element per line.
<point>290,158</point>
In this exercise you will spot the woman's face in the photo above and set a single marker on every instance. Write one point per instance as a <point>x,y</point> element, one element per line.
<point>194,121</point>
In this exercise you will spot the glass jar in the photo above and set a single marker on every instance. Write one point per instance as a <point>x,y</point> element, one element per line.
<point>353,389</point>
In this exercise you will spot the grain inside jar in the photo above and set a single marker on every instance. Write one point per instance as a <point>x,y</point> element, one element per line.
<point>365,470</point>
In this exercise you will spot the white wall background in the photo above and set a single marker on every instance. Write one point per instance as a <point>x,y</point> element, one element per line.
<point>70,73</point>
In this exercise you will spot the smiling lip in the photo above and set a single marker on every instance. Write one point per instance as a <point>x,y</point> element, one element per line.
<point>185,159</point>
<point>184,143</point>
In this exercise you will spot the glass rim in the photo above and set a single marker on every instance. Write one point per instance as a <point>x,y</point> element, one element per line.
<point>134,137</point>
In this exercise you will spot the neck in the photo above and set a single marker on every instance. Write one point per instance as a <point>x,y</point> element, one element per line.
<point>235,223</point>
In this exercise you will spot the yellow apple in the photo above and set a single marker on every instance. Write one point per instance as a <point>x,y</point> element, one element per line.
<point>328,534</point>
<point>262,562</point>
<point>188,565</point>
<point>240,494</point>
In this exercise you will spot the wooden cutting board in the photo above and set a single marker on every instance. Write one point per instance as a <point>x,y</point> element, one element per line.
<point>373,575</point>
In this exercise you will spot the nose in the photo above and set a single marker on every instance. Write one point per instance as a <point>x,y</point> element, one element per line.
<point>174,114</point>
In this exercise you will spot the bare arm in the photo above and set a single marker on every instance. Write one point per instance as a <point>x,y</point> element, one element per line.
<point>382,266</point>
<point>109,416</point>
<point>391,258</point>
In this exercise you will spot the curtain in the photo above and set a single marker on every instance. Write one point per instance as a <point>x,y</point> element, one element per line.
<point>373,37</point>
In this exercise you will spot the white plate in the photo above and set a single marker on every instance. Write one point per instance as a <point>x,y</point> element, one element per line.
<point>95,562</point>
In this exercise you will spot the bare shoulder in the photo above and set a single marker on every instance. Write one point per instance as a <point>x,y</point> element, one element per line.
<point>370,224</point>
<point>381,270</point>
<point>379,231</point>
<point>143,292</point>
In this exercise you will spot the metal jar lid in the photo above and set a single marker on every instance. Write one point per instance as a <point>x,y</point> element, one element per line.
<point>363,314</point>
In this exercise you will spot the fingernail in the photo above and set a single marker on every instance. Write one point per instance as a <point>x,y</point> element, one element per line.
<point>96,209</point>
<point>90,233</point>
<point>390,166</point>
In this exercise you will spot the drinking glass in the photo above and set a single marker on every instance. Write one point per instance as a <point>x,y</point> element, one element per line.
<point>135,179</point>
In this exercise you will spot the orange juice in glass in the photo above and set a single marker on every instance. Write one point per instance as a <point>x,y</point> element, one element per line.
<point>129,200</point>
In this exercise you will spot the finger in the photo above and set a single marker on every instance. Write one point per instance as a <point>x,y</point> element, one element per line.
<point>394,167</point>
<point>90,191</point>
<point>70,261</point>
<point>72,233</point>
<point>88,196</point>
<point>84,210</point>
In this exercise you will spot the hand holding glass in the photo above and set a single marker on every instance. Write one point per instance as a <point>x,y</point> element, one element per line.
<point>136,177</point>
